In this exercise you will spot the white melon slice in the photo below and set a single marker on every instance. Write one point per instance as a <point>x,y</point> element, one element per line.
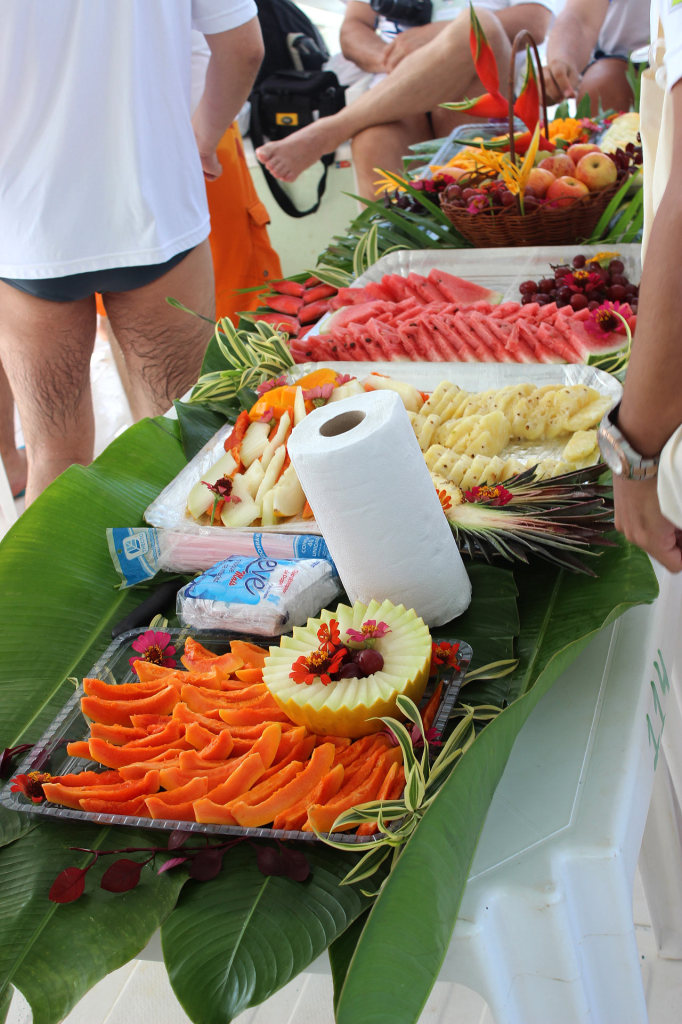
<point>254,442</point>
<point>240,514</point>
<point>288,496</point>
<point>347,390</point>
<point>300,411</point>
<point>200,498</point>
<point>274,468</point>
<point>277,440</point>
<point>352,707</point>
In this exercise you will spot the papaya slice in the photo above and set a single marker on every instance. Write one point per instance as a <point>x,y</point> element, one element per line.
<point>117,757</point>
<point>239,782</point>
<point>369,828</point>
<point>113,712</point>
<point>198,736</point>
<point>88,778</point>
<point>264,789</point>
<point>174,776</point>
<point>185,714</point>
<point>158,808</point>
<point>194,788</point>
<point>122,691</point>
<point>173,732</point>
<point>117,734</point>
<point>137,769</point>
<point>252,655</point>
<point>208,812</point>
<point>149,722</point>
<point>356,750</point>
<point>73,796</point>
<point>293,819</point>
<point>322,816</point>
<point>147,670</point>
<point>219,748</point>
<point>135,807</point>
<point>300,751</point>
<point>251,716</point>
<point>249,675</point>
<point>79,748</point>
<point>194,651</point>
<point>251,815</point>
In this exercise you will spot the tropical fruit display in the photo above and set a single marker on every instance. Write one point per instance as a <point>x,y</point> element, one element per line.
<point>341,672</point>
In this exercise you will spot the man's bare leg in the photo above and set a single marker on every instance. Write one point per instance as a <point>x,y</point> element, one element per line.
<point>14,461</point>
<point>45,348</point>
<point>163,347</point>
<point>383,146</point>
<point>439,71</point>
<point>605,82</point>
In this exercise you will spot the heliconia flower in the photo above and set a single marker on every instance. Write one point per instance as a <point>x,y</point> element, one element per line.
<point>370,630</point>
<point>497,495</point>
<point>489,106</point>
<point>610,317</point>
<point>31,785</point>
<point>527,105</point>
<point>523,141</point>
<point>154,646</point>
<point>484,58</point>
<point>268,385</point>
<point>443,653</point>
<point>329,635</point>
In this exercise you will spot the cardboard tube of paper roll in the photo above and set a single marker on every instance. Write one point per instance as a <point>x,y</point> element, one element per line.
<point>362,471</point>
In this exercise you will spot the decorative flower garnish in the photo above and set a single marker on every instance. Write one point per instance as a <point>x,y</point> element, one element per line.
<point>445,500</point>
<point>370,630</point>
<point>268,385</point>
<point>431,736</point>
<point>31,785</point>
<point>154,646</point>
<point>443,653</point>
<point>329,635</point>
<point>581,280</point>
<point>221,488</point>
<point>568,129</point>
<point>609,317</point>
<point>319,394</point>
<point>320,664</point>
<point>497,495</point>
<point>267,416</point>
<point>343,378</point>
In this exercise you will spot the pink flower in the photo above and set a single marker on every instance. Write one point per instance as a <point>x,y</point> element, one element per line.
<point>370,630</point>
<point>320,391</point>
<point>608,318</point>
<point>495,495</point>
<point>154,646</point>
<point>343,378</point>
<point>268,385</point>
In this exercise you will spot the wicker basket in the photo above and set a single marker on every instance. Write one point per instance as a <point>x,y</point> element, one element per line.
<point>545,225</point>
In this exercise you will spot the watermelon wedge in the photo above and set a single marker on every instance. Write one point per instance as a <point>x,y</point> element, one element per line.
<point>457,289</point>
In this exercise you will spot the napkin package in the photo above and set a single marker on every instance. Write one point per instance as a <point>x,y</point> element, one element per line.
<point>363,472</point>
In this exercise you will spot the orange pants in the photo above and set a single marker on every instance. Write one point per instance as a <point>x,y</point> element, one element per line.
<point>242,254</point>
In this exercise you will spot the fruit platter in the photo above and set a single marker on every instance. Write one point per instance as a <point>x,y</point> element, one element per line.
<point>232,741</point>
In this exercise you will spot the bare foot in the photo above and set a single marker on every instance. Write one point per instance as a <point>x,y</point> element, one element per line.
<point>289,157</point>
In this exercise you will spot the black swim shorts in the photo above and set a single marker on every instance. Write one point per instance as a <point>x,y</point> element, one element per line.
<point>79,286</point>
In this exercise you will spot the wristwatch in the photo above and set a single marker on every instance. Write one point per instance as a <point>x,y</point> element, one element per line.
<point>619,455</point>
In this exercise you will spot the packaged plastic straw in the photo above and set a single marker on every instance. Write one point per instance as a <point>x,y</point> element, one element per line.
<point>140,552</point>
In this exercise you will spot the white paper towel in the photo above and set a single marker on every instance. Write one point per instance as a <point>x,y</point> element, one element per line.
<point>364,475</point>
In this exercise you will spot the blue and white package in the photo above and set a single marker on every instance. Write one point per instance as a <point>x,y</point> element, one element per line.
<point>262,595</point>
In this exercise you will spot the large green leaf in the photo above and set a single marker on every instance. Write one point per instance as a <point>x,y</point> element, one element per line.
<point>54,953</point>
<point>234,941</point>
<point>557,620</point>
<point>58,599</point>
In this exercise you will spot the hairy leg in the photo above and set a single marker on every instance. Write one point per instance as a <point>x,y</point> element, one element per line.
<point>439,71</point>
<point>45,348</point>
<point>163,347</point>
<point>14,461</point>
<point>606,85</point>
<point>383,146</point>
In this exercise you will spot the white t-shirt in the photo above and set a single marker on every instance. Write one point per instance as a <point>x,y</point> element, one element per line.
<point>446,10</point>
<point>98,163</point>
<point>670,15</point>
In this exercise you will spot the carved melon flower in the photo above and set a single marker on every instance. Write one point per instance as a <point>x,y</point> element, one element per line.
<point>31,785</point>
<point>497,495</point>
<point>370,630</point>
<point>154,646</point>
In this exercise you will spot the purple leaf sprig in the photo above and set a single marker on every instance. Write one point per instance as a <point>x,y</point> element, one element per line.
<point>203,863</point>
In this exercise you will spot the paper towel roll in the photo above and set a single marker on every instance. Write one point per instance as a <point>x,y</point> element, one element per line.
<point>364,475</point>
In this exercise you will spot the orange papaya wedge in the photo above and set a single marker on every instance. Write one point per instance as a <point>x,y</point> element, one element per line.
<point>172,733</point>
<point>185,714</point>
<point>208,812</point>
<point>250,716</point>
<point>194,788</point>
<point>149,722</point>
<point>194,651</point>
<point>111,712</point>
<point>252,655</point>
<point>139,768</point>
<point>136,807</point>
<point>322,816</point>
<point>249,675</point>
<point>160,809</point>
<point>264,789</point>
<point>300,751</point>
<point>219,748</point>
<point>79,748</point>
<point>197,735</point>
<point>117,757</point>
<point>239,782</point>
<point>293,819</point>
<point>122,691</point>
<point>368,828</point>
<point>251,814</point>
<point>89,778</point>
<point>117,734</point>
<point>174,776</point>
<point>73,796</point>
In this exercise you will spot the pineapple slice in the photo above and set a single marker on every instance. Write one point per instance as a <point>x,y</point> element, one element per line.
<point>352,707</point>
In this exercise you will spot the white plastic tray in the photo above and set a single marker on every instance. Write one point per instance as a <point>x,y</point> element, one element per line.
<point>169,509</point>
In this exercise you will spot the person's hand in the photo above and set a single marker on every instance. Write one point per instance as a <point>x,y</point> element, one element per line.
<point>639,517</point>
<point>211,166</point>
<point>565,78</point>
<point>406,42</point>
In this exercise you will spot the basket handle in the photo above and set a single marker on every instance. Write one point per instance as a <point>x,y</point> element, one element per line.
<point>523,38</point>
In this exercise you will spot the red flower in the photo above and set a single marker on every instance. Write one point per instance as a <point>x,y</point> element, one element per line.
<point>329,635</point>
<point>497,495</point>
<point>31,785</point>
<point>318,665</point>
<point>582,280</point>
<point>154,646</point>
<point>443,653</point>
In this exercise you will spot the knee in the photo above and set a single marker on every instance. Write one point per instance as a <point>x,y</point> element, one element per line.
<point>606,84</point>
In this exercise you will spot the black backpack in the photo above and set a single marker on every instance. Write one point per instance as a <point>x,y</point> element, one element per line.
<point>291,90</point>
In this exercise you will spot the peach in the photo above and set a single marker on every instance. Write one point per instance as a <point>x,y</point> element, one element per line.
<point>597,171</point>
<point>539,181</point>
<point>560,165</point>
<point>580,149</point>
<point>565,190</point>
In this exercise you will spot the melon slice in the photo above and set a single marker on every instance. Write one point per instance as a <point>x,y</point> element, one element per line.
<point>352,707</point>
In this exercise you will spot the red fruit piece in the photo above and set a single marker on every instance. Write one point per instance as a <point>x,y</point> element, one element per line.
<point>313,311</point>
<point>289,288</point>
<point>319,291</point>
<point>289,304</point>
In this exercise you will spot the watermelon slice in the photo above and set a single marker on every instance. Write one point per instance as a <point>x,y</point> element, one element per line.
<point>457,289</point>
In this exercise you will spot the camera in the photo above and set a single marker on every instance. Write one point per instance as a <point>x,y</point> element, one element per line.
<point>412,12</point>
